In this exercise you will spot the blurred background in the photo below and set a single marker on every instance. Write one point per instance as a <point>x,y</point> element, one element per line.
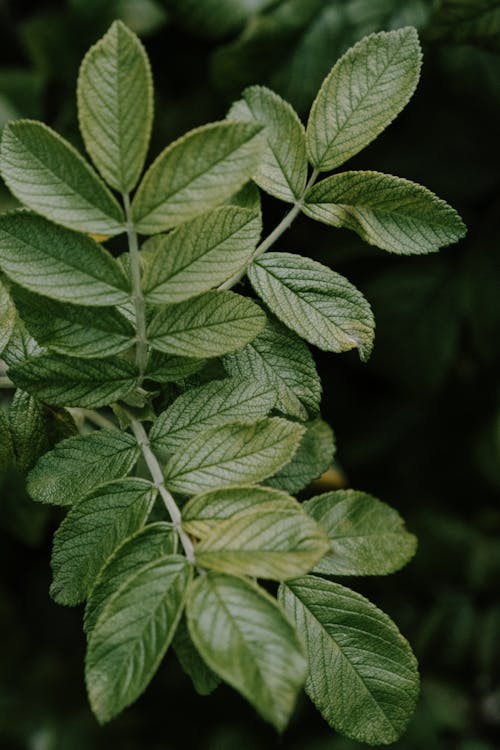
<point>418,426</point>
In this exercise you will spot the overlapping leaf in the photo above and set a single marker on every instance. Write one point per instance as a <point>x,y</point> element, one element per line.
<point>28,425</point>
<point>313,456</point>
<point>7,317</point>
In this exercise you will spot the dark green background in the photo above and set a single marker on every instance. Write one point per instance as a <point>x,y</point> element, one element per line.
<point>419,426</point>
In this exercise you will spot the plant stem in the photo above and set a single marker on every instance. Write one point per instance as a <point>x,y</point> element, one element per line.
<point>157,476</point>
<point>93,416</point>
<point>280,229</point>
<point>141,354</point>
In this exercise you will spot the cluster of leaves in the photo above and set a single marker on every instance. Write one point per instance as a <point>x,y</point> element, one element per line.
<point>228,384</point>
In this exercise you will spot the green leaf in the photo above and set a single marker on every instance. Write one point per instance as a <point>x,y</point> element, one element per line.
<point>279,358</point>
<point>204,680</point>
<point>367,537</point>
<point>282,171</point>
<point>275,544</point>
<point>58,263</point>
<point>215,18</point>
<point>144,546</point>
<point>389,212</point>
<point>199,255</point>
<point>69,381</point>
<point>209,325</point>
<point>74,330</point>
<point>243,636</point>
<point>28,427</point>
<point>129,640</point>
<point>6,447</point>
<point>79,464</point>
<point>204,511</point>
<point>363,676</point>
<point>115,106</point>
<point>170,369</point>
<point>7,317</point>
<point>232,454</point>
<point>195,174</point>
<point>91,532</point>
<point>248,197</point>
<point>216,403</point>
<point>314,455</point>
<point>365,90</point>
<point>466,22</point>
<point>49,176</point>
<point>21,345</point>
<point>317,303</point>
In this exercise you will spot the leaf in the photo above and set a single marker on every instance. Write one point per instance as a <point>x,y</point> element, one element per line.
<point>144,546</point>
<point>389,212</point>
<point>214,18</point>
<point>204,511</point>
<point>79,464</point>
<point>115,106</point>
<point>204,680</point>
<point>129,640</point>
<point>363,676</point>
<point>279,358</point>
<point>232,454</point>
<point>248,197</point>
<point>317,303</point>
<point>275,544</point>
<point>74,330</point>
<point>199,255</point>
<point>28,427</point>
<point>7,457</point>
<point>7,317</point>
<point>209,325</point>
<point>282,171</point>
<point>21,345</point>
<point>367,537</point>
<point>243,636</point>
<point>313,456</point>
<point>195,174</point>
<point>49,176</point>
<point>69,381</point>
<point>91,532</point>
<point>466,22</point>
<point>58,263</point>
<point>216,403</point>
<point>365,90</point>
<point>170,369</point>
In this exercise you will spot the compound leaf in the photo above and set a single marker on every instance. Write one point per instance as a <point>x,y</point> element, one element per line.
<point>365,90</point>
<point>244,637</point>
<point>363,676</point>
<point>233,454</point>
<point>367,537</point>
<point>79,464</point>
<point>92,530</point>
<point>115,106</point>
<point>49,176</point>
<point>317,303</point>
<point>389,212</point>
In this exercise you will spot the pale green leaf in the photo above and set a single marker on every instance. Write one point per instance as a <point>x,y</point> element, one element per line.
<point>74,330</point>
<point>367,537</point>
<point>58,263</point>
<point>204,680</point>
<point>279,358</point>
<point>166,368</point>
<point>363,676</point>
<point>317,303</point>
<point>79,464</point>
<point>208,326</point>
<point>389,212</point>
<point>92,530</point>
<point>195,174</point>
<point>275,544</point>
<point>7,317</point>
<point>232,454</point>
<point>144,546</point>
<point>129,639</point>
<point>49,176</point>
<point>365,90</point>
<point>69,381</point>
<point>244,637</point>
<point>199,255</point>
<point>202,512</point>
<point>216,403</point>
<point>115,106</point>
<point>282,171</point>
<point>28,426</point>
<point>314,455</point>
